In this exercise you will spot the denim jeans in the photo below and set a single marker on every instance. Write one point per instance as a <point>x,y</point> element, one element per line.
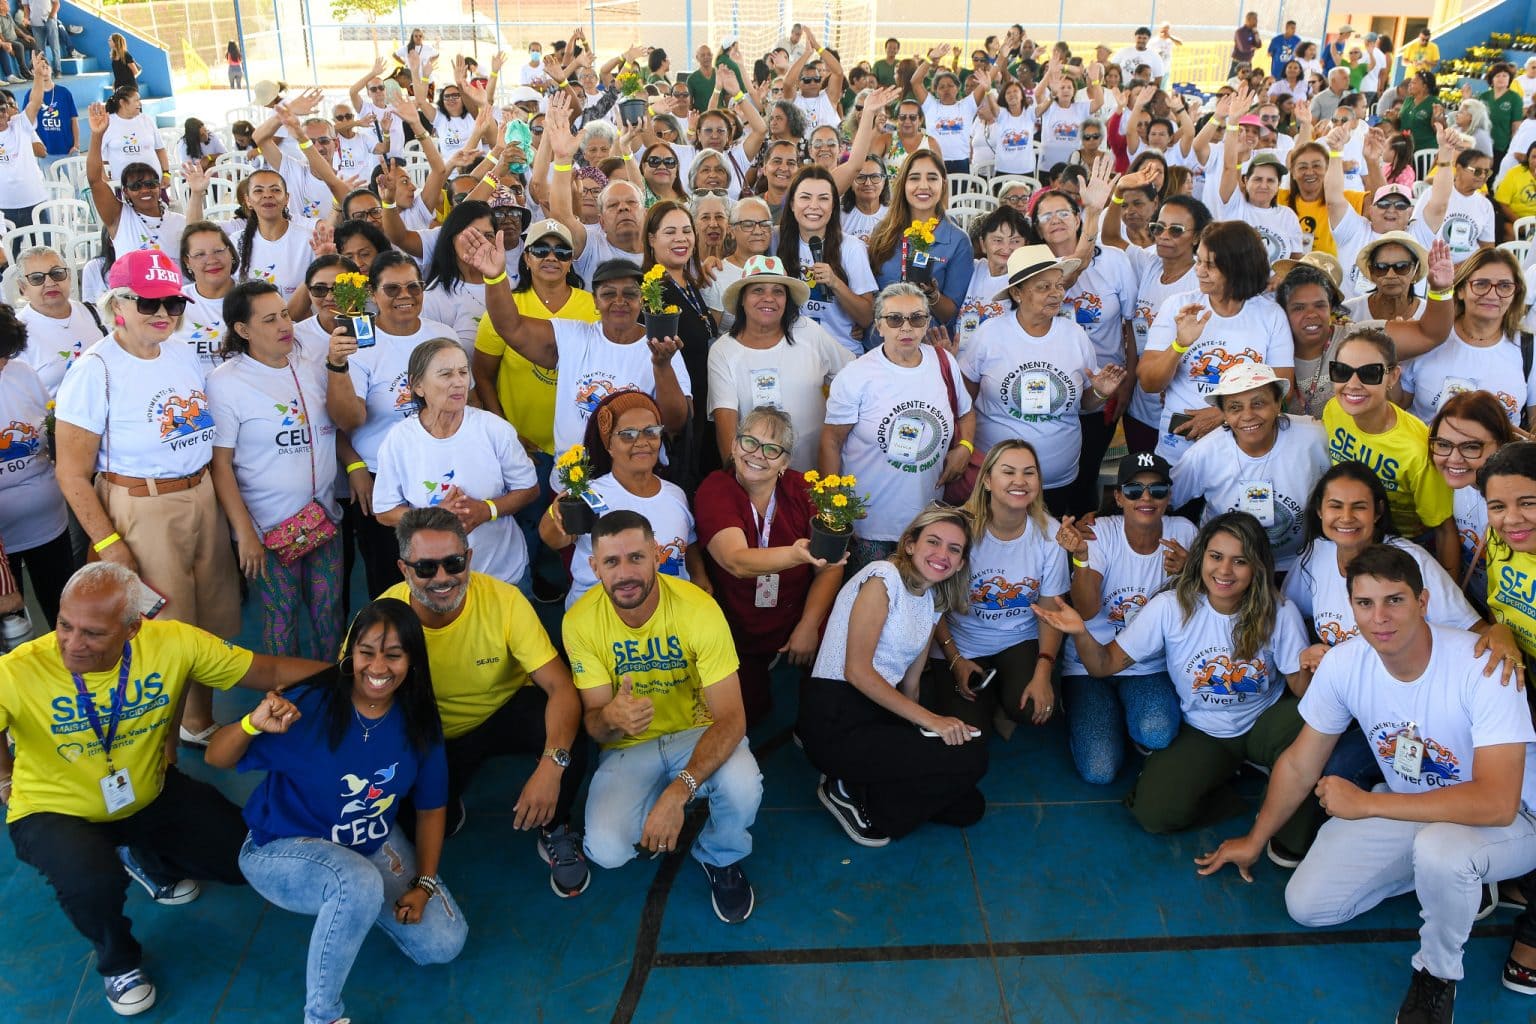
<point>47,35</point>
<point>1101,712</point>
<point>8,65</point>
<point>628,781</point>
<point>349,893</point>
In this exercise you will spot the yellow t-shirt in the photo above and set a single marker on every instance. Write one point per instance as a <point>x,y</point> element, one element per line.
<point>1417,495</point>
<point>59,760</point>
<point>1512,590</point>
<point>1417,55</point>
<point>1313,215</point>
<point>483,657</point>
<point>1518,191</point>
<point>526,391</point>
<point>684,648</point>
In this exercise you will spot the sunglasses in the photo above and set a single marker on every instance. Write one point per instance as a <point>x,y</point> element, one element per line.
<point>1156,491</point>
<point>629,435</point>
<point>344,117</point>
<point>375,88</point>
<point>504,213</point>
<point>543,250</point>
<point>426,568</point>
<point>824,144</point>
<point>141,185</point>
<point>1469,449</point>
<point>1478,172</point>
<point>1091,138</point>
<point>750,444</point>
<point>1396,267</point>
<point>394,289</point>
<point>537,129</point>
<point>714,193</point>
<point>174,305</point>
<point>895,320</point>
<point>810,79</point>
<point>1389,204</point>
<point>1156,228</point>
<point>1370,373</point>
<point>56,274</point>
<point>1482,286</point>
<point>321,291</point>
<point>654,162</point>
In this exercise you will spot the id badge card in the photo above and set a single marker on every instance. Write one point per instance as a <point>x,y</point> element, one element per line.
<point>1035,394</point>
<point>906,438</point>
<point>1257,498</point>
<point>767,595</point>
<point>117,790</point>
<point>1408,758</point>
<point>765,388</point>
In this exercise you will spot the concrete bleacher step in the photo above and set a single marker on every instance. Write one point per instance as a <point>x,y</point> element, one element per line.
<point>78,66</point>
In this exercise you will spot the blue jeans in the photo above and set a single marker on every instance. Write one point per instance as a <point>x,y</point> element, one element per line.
<point>8,65</point>
<point>629,780</point>
<point>349,893</point>
<point>1100,713</point>
<point>47,36</point>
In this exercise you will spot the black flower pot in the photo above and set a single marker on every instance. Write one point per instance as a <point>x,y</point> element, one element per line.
<point>828,544</point>
<point>631,111</point>
<point>661,325</point>
<point>919,269</point>
<point>576,517</point>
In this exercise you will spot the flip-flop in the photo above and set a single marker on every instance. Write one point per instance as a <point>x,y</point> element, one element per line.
<point>198,739</point>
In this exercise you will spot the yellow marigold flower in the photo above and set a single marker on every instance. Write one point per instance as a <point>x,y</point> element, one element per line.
<point>840,500</point>
<point>654,274</point>
<point>849,481</point>
<point>576,474</point>
<point>833,480</point>
<point>811,476</point>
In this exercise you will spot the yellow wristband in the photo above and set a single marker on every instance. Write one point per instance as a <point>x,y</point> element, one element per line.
<point>627,157</point>
<point>1117,200</point>
<point>1334,154</point>
<point>247,728</point>
<point>488,180</point>
<point>963,443</point>
<point>353,467</point>
<point>562,167</point>
<point>1233,127</point>
<point>305,145</point>
<point>1435,296</point>
<point>106,542</point>
<point>1179,350</point>
<point>738,97</point>
<point>387,206</point>
<point>495,513</point>
<point>1079,562</point>
<point>497,279</point>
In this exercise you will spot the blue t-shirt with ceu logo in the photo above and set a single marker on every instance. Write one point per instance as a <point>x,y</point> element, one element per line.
<point>54,118</point>
<point>349,795</point>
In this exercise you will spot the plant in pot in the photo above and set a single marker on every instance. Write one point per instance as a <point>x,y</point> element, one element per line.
<point>838,506</point>
<point>350,293</point>
<point>633,105</point>
<point>916,263</point>
<point>660,315</point>
<point>574,470</point>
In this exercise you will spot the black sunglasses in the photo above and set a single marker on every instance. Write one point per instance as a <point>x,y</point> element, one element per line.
<point>661,161</point>
<point>1370,373</point>
<point>1395,267</point>
<point>1387,204</point>
<point>426,568</point>
<point>1157,491</point>
<point>895,320</point>
<point>141,184</point>
<point>53,274</point>
<point>543,250</point>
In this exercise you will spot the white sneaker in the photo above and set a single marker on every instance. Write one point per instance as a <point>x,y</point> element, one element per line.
<point>16,626</point>
<point>130,993</point>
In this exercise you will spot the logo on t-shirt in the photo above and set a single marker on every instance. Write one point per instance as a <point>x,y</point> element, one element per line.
<point>1123,606</point>
<point>205,339</point>
<point>1015,139</point>
<point>591,389</point>
<point>367,802</point>
<point>438,489</point>
<point>1439,766</point>
<point>401,386</point>
<point>181,417</point>
<point>949,125</point>
<point>1089,308</point>
<point>18,441</point>
<point>140,697</point>
<point>1037,391</point>
<point>131,143</point>
<point>910,436</point>
<point>1208,367</point>
<point>1334,633</point>
<point>1220,678</point>
<point>1459,232</point>
<point>996,592</point>
<point>672,556</point>
<point>1276,246</point>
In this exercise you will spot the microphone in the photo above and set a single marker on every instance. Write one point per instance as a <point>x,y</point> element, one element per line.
<point>815,247</point>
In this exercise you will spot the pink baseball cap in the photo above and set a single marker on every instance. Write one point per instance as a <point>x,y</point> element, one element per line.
<point>1392,190</point>
<point>148,273</point>
<point>1250,121</point>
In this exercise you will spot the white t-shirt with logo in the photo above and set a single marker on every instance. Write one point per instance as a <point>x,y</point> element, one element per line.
<point>283,439</point>
<point>980,304</point>
<point>1278,226</point>
<point>396,127</point>
<point>1032,388</point>
<point>1453,367</point>
<point>1258,333</point>
<point>591,368</point>
<point>823,306</point>
<point>21,173</point>
<point>355,157</point>
<point>129,140</point>
<point>483,459</point>
<point>1273,487</point>
<point>308,196</point>
<point>1128,581</point>
<point>1468,223</point>
<point>136,231</point>
<point>1451,710</point>
<point>1006,578</point>
<point>54,345</point>
<point>31,507</point>
<point>789,376</point>
<point>1101,300</point>
<point>380,379</point>
<point>950,123</point>
<point>671,521</point>
<point>1151,293</point>
<point>159,425</point>
<point>1322,593</point>
<point>902,426</point>
<point>1220,695</point>
<point>860,225</point>
<point>1061,130</point>
<point>202,327</point>
<point>1013,142</point>
<point>1129,58</point>
<point>452,132</point>
<point>818,110</point>
<point>281,262</point>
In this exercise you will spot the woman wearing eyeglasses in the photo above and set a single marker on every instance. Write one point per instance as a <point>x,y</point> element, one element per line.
<point>751,235</point>
<point>133,208</point>
<point>1483,350</point>
<point>659,168</point>
<point>867,202</point>
<point>754,525</point>
<point>1456,207</point>
<point>368,393</point>
<point>208,263</point>
<point>624,439</point>
<point>59,328</point>
<point>998,235</point>
<point>135,437</point>
<point>1392,264</point>
<point>454,122</point>
<point>1463,436</point>
<point>312,335</point>
<point>911,136</point>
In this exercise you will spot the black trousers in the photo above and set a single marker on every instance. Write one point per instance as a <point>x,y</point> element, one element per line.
<point>189,831</point>
<point>902,777</point>
<point>1085,493</point>
<point>379,549</point>
<point>50,565</point>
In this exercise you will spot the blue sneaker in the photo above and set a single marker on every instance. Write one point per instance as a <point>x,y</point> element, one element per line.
<point>560,848</point>
<point>130,993</point>
<point>729,892</point>
<point>167,894</point>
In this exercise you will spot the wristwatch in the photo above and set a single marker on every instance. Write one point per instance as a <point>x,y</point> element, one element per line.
<point>559,755</point>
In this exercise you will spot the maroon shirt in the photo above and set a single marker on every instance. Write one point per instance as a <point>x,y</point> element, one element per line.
<point>722,503</point>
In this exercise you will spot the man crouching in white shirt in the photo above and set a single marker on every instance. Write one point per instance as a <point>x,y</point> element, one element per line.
<point>1456,811</point>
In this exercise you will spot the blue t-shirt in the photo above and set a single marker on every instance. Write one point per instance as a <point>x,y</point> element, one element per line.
<point>53,120</point>
<point>349,795</point>
<point>1282,50</point>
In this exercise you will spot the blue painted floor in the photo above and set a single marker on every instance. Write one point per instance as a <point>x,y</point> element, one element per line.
<point>1055,908</point>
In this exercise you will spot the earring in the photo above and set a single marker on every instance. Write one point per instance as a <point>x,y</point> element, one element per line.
<point>119,321</point>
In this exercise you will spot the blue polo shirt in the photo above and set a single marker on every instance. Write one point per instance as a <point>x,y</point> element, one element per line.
<point>54,119</point>
<point>952,272</point>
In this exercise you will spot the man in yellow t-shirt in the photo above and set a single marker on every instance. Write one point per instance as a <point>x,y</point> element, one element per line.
<point>1420,55</point>
<point>88,707</point>
<point>484,643</point>
<point>656,667</point>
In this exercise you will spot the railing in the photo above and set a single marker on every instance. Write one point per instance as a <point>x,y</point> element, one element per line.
<point>109,15</point>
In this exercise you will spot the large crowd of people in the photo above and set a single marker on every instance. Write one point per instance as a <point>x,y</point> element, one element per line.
<point>643,342</point>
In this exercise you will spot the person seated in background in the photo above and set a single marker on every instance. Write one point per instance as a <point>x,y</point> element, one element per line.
<point>653,659</point>
<point>1457,812</point>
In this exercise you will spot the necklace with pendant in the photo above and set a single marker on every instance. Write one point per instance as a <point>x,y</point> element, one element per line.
<point>363,722</point>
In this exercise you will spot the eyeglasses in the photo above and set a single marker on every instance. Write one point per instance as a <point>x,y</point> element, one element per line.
<point>750,444</point>
<point>55,274</point>
<point>141,184</point>
<point>344,117</point>
<point>1343,120</point>
<point>713,193</point>
<point>371,213</point>
<point>321,291</point>
<point>810,79</point>
<point>1091,138</point>
<point>1370,373</point>
<point>395,289</point>
<point>895,320</point>
<point>451,96</point>
<point>1050,215</point>
<point>752,225</point>
<point>1395,267</point>
<point>537,129</point>
<point>654,162</point>
<point>504,213</point>
<point>174,305</point>
<point>426,568</point>
<point>1482,286</point>
<point>868,179</point>
<point>375,88</point>
<point>543,250</point>
<point>1269,118</point>
<point>1443,446</point>
<point>629,435</point>
<point>1157,492</point>
<point>1157,228</point>
<point>909,117</point>
<point>323,140</point>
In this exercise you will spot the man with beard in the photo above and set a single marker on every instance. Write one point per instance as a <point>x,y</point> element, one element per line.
<point>484,644</point>
<point>653,658</point>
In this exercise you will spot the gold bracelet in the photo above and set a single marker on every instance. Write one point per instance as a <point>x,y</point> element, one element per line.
<point>497,279</point>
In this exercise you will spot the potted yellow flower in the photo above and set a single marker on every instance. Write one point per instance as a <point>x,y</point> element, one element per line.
<point>916,263</point>
<point>660,315</point>
<point>574,470</point>
<point>838,506</point>
<point>633,106</point>
<point>350,292</point>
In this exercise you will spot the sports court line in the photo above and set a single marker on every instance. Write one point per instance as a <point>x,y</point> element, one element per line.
<point>1048,948</point>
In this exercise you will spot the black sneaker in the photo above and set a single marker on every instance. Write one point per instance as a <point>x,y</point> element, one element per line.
<point>835,797</point>
<point>129,993</point>
<point>1430,1000</point>
<point>730,892</point>
<point>1488,900</point>
<point>1282,856</point>
<point>1518,978</point>
<point>560,848</point>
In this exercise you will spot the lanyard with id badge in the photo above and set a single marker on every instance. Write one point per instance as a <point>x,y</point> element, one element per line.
<point>767,594</point>
<point>1408,754</point>
<point>117,784</point>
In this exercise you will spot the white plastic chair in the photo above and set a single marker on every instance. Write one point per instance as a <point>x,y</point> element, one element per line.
<point>1002,181</point>
<point>59,189</point>
<point>219,212</point>
<point>965,184</point>
<point>1423,160</point>
<point>1524,228</point>
<point>70,170</point>
<point>10,286</point>
<point>70,213</point>
<point>234,171</point>
<point>255,115</point>
<point>1521,249</point>
<point>55,236</point>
